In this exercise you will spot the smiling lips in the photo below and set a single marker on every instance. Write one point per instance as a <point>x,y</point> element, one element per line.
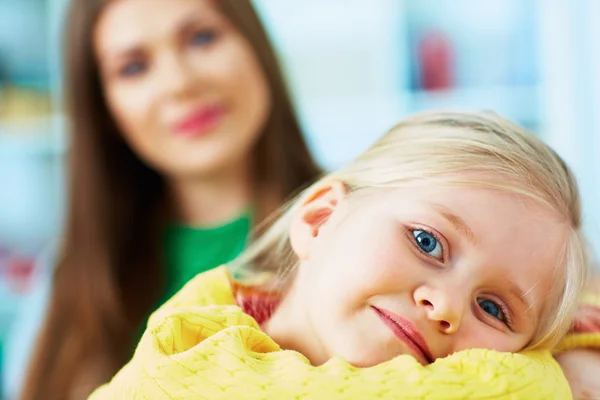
<point>199,122</point>
<point>406,332</point>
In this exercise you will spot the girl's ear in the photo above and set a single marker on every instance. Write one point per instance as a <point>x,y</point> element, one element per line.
<point>310,217</point>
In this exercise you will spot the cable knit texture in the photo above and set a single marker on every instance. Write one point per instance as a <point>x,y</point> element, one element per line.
<point>200,345</point>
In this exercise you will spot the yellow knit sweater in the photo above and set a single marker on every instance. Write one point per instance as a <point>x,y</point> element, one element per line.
<point>199,345</point>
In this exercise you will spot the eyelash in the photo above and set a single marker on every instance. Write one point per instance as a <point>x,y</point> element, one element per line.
<point>508,321</point>
<point>123,70</point>
<point>211,35</point>
<point>410,232</point>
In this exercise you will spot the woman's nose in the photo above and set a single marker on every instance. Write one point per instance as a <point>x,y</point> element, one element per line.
<point>176,77</point>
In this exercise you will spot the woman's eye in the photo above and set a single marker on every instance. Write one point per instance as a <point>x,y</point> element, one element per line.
<point>202,38</point>
<point>492,308</point>
<point>428,243</point>
<point>132,69</point>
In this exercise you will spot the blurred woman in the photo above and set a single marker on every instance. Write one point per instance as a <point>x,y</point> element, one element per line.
<point>183,138</point>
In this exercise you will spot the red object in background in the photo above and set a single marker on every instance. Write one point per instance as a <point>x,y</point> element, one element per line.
<point>17,272</point>
<point>587,320</point>
<point>436,61</point>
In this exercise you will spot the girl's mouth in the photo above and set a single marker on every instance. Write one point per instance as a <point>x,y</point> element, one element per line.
<point>406,332</point>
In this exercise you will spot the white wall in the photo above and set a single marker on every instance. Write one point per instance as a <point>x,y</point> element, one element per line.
<point>344,62</point>
<point>571,95</point>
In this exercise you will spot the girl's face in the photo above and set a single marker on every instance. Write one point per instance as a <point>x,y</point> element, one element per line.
<point>420,270</point>
<point>183,84</point>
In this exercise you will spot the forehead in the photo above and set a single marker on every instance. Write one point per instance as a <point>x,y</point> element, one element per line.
<point>124,23</point>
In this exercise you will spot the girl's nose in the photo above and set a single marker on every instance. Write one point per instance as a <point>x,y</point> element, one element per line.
<point>442,307</point>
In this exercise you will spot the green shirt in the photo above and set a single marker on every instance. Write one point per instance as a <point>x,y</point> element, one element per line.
<point>189,251</point>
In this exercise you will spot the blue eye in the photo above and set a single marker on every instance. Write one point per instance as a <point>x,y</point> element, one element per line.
<point>428,243</point>
<point>492,309</point>
<point>132,69</point>
<point>202,38</point>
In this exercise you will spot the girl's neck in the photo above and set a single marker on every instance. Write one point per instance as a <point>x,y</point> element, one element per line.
<point>210,200</point>
<point>290,329</point>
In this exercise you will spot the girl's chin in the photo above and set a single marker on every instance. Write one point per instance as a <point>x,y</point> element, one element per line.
<point>371,360</point>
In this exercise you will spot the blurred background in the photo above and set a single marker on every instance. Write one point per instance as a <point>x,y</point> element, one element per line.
<point>355,68</point>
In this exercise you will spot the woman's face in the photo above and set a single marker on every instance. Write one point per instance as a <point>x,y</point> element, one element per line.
<point>183,84</point>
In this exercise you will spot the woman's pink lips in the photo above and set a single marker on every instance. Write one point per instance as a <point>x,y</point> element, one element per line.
<point>199,121</point>
<point>406,332</point>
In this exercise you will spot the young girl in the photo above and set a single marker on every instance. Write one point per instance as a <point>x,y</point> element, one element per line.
<point>446,262</point>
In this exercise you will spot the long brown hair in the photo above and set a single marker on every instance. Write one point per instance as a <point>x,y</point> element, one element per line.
<point>108,275</point>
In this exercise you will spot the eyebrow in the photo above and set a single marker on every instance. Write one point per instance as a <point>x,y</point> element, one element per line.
<point>192,21</point>
<point>456,221</point>
<point>135,47</point>
<point>129,50</point>
<point>518,293</point>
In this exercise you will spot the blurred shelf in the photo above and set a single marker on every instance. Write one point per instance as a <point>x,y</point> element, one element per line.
<point>32,180</point>
<point>43,136</point>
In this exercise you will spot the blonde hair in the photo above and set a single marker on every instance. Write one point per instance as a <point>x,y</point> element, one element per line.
<point>473,149</point>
